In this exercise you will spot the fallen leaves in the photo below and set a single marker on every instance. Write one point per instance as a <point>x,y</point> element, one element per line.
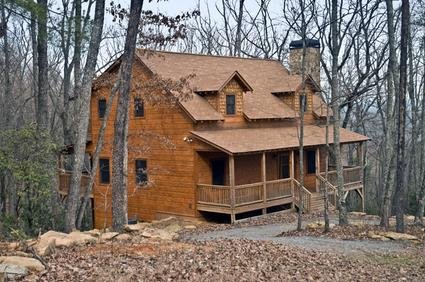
<point>219,260</point>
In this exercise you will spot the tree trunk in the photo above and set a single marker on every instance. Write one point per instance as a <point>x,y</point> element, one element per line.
<point>82,126</point>
<point>336,114</point>
<point>400,188</point>
<point>33,31</point>
<point>389,145</point>
<point>43,96</point>
<point>421,195</point>
<point>7,85</point>
<point>95,158</point>
<point>120,147</point>
<point>238,42</point>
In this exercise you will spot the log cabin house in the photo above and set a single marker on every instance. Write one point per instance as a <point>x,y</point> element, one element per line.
<point>232,147</point>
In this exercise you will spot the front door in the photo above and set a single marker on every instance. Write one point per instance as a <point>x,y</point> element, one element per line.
<point>284,165</point>
<point>218,171</point>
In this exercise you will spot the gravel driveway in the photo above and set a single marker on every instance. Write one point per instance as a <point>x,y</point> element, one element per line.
<point>270,233</point>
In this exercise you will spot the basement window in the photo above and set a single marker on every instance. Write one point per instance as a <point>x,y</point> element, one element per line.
<point>101,106</point>
<point>230,104</point>
<point>104,171</point>
<point>139,109</point>
<point>141,172</point>
<point>311,162</point>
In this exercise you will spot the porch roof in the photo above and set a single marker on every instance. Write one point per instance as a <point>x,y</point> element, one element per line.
<point>249,140</point>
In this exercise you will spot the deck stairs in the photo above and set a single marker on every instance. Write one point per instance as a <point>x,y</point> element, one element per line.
<point>317,204</point>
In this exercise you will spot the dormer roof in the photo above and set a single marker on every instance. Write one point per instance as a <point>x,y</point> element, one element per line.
<point>260,77</point>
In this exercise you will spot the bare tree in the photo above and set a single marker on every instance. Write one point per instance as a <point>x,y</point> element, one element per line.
<point>400,188</point>
<point>84,109</point>
<point>43,120</point>
<point>120,146</point>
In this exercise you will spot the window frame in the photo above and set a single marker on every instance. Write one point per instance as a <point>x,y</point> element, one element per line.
<point>101,114</point>
<point>135,111</point>
<point>101,171</point>
<point>234,104</point>
<point>310,154</point>
<point>145,180</point>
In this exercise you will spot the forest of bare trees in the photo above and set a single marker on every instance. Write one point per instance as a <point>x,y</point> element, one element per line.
<point>372,75</point>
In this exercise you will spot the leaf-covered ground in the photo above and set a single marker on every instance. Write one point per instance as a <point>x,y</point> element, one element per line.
<point>356,232</point>
<point>224,260</point>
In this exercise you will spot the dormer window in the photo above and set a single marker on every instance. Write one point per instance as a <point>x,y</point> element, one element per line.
<point>230,104</point>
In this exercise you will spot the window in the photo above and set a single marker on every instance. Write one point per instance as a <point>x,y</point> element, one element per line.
<point>104,171</point>
<point>141,172</point>
<point>230,104</point>
<point>101,105</point>
<point>303,102</point>
<point>139,109</point>
<point>311,161</point>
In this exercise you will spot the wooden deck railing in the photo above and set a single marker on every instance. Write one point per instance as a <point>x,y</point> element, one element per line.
<point>305,196</point>
<point>351,175</point>
<point>279,188</point>
<point>214,194</point>
<point>65,181</point>
<point>249,194</point>
<point>325,185</point>
<point>244,195</point>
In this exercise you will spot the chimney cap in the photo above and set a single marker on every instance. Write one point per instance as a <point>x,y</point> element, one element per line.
<point>309,43</point>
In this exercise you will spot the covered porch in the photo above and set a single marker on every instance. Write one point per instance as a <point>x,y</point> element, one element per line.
<point>238,182</point>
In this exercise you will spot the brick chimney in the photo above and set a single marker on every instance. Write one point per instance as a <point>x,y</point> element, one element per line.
<point>312,58</point>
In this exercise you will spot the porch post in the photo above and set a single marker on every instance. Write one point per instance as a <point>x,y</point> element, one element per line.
<point>292,171</point>
<point>317,167</point>
<point>263,178</point>
<point>232,187</point>
<point>360,157</point>
<point>292,175</point>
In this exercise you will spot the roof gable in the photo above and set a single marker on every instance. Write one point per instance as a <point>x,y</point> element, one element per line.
<point>212,72</point>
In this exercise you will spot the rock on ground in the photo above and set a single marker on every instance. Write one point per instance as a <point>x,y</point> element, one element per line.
<point>123,237</point>
<point>29,263</point>
<point>12,271</point>
<point>45,246</point>
<point>398,236</point>
<point>67,240</point>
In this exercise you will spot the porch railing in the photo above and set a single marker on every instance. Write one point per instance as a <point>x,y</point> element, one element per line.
<point>247,194</point>
<point>214,194</point>
<point>280,188</point>
<point>351,175</point>
<point>64,182</point>
<point>305,200</point>
<point>329,188</point>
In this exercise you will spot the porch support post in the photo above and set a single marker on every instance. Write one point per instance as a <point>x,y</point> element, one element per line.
<point>292,175</point>
<point>317,167</point>
<point>232,188</point>
<point>292,171</point>
<point>360,158</point>
<point>264,179</point>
